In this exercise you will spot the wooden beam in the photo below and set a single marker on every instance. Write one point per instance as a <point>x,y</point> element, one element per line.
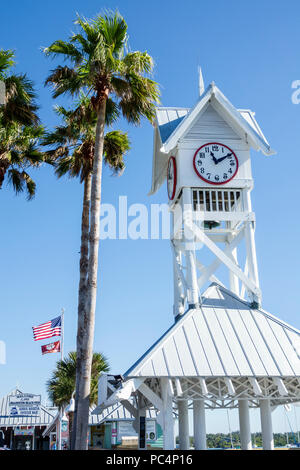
<point>224,258</point>
<point>255,386</point>
<point>209,270</point>
<point>151,396</point>
<point>129,407</point>
<point>280,386</point>
<point>203,386</point>
<point>229,385</point>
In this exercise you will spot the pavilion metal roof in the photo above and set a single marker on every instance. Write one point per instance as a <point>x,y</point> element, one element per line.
<point>223,338</point>
<point>44,419</point>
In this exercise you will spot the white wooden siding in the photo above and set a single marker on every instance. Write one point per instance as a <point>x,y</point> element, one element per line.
<point>210,126</point>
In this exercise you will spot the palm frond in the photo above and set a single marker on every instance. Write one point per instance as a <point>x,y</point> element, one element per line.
<point>113,28</point>
<point>116,144</point>
<point>68,50</point>
<point>138,62</point>
<point>20,104</point>
<point>64,80</point>
<point>6,60</point>
<point>16,180</point>
<point>29,184</point>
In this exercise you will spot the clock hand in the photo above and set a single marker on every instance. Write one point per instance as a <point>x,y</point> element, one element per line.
<point>214,158</point>
<point>223,158</point>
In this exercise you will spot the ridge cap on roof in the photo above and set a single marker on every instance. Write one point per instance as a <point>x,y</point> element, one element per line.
<point>172,107</point>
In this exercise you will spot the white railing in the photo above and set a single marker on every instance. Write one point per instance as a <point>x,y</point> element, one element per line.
<point>218,200</point>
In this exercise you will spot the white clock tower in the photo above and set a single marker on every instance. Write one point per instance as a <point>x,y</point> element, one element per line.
<point>204,153</point>
<point>223,351</point>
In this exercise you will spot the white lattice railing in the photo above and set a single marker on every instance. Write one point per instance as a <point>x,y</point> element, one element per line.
<point>217,200</point>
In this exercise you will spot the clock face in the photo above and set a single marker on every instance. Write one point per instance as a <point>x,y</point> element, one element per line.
<point>215,163</point>
<point>171,178</point>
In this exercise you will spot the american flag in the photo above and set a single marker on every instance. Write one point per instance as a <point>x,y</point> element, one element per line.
<point>46,330</point>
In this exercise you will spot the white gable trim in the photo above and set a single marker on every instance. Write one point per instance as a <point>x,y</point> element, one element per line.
<point>233,115</point>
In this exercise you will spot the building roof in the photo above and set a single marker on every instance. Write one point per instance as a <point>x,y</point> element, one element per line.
<point>173,123</point>
<point>116,413</point>
<point>168,120</point>
<point>45,417</point>
<point>112,413</point>
<point>223,338</point>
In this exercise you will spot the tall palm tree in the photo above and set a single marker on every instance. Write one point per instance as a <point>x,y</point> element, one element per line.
<point>100,65</point>
<point>73,153</point>
<point>19,129</point>
<point>61,385</point>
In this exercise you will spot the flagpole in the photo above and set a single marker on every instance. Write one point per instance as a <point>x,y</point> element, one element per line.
<point>61,358</point>
<point>62,334</point>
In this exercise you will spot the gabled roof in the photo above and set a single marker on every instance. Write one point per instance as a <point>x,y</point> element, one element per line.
<point>6,420</point>
<point>223,338</point>
<point>173,123</point>
<point>245,125</point>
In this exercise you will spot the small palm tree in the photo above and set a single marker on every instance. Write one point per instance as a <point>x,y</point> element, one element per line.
<point>61,385</point>
<point>19,129</point>
<point>100,66</point>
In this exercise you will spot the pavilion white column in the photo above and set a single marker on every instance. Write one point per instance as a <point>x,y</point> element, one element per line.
<point>167,415</point>
<point>266,424</point>
<point>244,419</point>
<point>199,425</point>
<point>183,422</point>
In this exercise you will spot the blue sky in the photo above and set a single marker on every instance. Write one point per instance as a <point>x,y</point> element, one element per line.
<point>251,51</point>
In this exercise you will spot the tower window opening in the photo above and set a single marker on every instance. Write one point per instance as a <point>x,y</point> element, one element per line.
<point>217,200</point>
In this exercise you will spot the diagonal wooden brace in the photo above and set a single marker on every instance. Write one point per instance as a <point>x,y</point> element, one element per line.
<point>224,258</point>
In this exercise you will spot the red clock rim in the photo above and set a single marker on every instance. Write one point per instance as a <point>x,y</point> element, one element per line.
<point>212,182</point>
<point>175,177</point>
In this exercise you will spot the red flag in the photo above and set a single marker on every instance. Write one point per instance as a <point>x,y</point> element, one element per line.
<point>51,347</point>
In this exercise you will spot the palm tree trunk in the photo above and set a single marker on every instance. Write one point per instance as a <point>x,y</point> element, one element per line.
<point>86,350</point>
<point>84,258</point>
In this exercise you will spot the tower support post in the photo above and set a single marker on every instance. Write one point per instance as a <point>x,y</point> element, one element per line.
<point>244,419</point>
<point>233,279</point>
<point>183,422</point>
<point>266,424</point>
<point>191,269</point>
<point>250,247</point>
<point>199,425</point>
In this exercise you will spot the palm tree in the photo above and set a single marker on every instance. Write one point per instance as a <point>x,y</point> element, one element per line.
<point>100,66</point>
<point>19,129</point>
<point>73,154</point>
<point>61,385</point>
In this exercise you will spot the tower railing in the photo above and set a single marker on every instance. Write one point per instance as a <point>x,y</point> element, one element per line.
<point>218,200</point>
